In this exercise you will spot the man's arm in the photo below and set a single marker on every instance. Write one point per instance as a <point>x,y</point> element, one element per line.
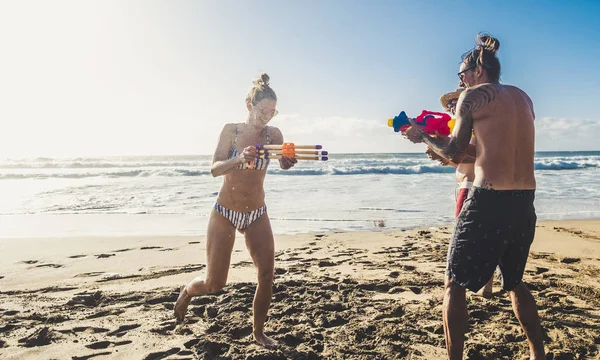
<point>470,101</point>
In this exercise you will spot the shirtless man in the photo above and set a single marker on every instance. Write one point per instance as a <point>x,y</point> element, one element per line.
<point>497,224</point>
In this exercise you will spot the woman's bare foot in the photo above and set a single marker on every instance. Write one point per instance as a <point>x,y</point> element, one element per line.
<point>181,305</point>
<point>264,340</point>
<point>486,291</point>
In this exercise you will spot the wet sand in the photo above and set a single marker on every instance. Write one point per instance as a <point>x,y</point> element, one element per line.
<point>357,295</point>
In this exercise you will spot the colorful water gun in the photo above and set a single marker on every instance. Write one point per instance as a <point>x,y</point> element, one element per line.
<point>299,152</point>
<point>430,121</point>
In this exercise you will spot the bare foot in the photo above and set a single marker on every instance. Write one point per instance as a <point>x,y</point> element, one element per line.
<point>484,293</point>
<point>181,305</point>
<point>486,290</point>
<point>264,340</point>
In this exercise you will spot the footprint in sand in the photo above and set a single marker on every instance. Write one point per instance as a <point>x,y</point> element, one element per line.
<point>105,313</point>
<point>194,242</point>
<point>55,266</point>
<point>1,277</point>
<point>87,357</point>
<point>165,329</point>
<point>90,274</point>
<point>29,262</point>
<point>123,329</point>
<point>76,256</point>
<point>52,289</point>
<point>103,256</point>
<point>88,330</point>
<point>570,260</point>
<point>105,344</point>
<point>41,337</point>
<point>7,328</point>
<point>150,247</point>
<point>162,354</point>
<point>241,264</point>
<point>326,263</point>
<point>123,250</point>
<point>240,332</point>
<point>87,299</point>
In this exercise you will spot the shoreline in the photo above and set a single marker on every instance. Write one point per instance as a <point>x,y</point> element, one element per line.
<point>374,228</point>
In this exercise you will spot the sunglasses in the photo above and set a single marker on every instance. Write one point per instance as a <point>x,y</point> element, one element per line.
<point>462,73</point>
<point>271,112</point>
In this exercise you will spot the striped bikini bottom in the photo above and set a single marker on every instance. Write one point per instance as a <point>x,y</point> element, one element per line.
<point>241,220</point>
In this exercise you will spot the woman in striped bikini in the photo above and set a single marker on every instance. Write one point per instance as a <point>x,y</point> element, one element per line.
<point>241,206</point>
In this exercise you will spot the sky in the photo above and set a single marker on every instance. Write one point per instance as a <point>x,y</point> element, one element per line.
<point>133,77</point>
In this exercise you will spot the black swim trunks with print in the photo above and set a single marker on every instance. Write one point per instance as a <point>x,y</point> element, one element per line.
<point>494,228</point>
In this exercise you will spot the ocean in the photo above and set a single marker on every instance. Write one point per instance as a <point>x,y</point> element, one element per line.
<point>173,195</point>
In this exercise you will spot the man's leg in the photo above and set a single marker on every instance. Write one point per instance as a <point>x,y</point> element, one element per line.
<point>526,311</point>
<point>455,319</point>
<point>512,267</point>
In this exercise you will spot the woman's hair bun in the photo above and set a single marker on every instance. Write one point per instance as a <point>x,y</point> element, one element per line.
<point>263,79</point>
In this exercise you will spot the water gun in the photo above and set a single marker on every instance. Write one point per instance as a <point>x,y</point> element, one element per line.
<point>299,152</point>
<point>430,121</point>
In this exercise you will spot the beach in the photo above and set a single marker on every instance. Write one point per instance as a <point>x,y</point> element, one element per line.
<point>337,295</point>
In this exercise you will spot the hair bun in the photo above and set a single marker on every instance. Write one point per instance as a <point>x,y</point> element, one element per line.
<point>263,79</point>
<point>486,42</point>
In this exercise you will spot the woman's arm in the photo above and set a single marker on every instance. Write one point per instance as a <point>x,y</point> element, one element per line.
<point>221,164</point>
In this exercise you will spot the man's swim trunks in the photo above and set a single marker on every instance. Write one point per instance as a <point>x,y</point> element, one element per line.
<point>494,228</point>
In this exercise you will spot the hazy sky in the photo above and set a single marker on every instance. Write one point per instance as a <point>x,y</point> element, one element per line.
<point>119,77</point>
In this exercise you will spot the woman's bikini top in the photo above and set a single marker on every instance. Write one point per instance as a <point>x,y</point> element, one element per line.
<point>259,164</point>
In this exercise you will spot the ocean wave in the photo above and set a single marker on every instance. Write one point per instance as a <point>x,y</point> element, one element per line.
<point>564,164</point>
<point>101,165</point>
<point>114,174</point>
<point>366,170</point>
<point>345,165</point>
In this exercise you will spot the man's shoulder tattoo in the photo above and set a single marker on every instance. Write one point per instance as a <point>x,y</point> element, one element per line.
<point>478,98</point>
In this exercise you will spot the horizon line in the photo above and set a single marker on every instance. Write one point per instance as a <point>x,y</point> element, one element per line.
<point>184,155</point>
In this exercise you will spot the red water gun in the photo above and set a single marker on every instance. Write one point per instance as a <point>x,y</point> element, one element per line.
<point>430,121</point>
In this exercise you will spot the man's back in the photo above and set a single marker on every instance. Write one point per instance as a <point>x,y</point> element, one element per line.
<point>505,135</point>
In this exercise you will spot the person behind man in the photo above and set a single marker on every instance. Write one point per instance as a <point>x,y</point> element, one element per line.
<point>465,172</point>
<point>497,224</point>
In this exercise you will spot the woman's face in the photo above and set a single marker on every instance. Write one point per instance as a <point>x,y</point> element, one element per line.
<point>452,106</point>
<point>263,112</point>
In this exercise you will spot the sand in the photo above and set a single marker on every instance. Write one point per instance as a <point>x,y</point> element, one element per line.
<point>355,295</point>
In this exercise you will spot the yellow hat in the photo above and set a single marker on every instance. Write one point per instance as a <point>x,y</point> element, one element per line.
<point>448,97</point>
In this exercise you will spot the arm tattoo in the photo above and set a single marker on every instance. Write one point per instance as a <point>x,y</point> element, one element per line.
<point>472,101</point>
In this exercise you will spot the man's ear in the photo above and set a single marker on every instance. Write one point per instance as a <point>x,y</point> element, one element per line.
<point>249,105</point>
<point>479,71</point>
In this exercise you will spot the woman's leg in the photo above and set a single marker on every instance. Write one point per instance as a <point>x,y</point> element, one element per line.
<point>261,245</point>
<point>220,238</point>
